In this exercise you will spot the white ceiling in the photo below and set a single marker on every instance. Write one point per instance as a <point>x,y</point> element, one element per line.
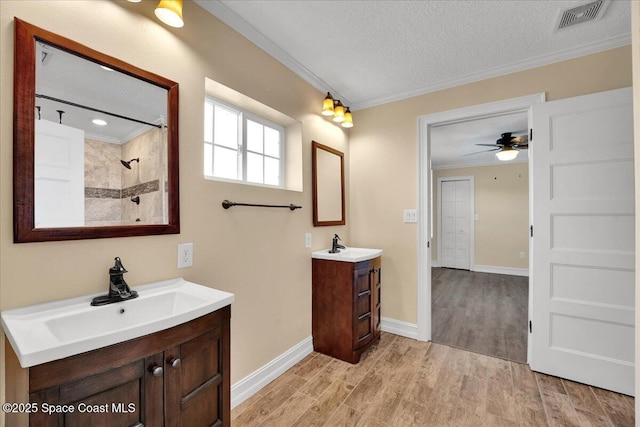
<point>372,52</point>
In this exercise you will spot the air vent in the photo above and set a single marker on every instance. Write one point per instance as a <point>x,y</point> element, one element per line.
<point>577,15</point>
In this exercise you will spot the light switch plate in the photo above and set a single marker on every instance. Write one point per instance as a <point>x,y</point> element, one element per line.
<point>307,240</point>
<point>410,215</point>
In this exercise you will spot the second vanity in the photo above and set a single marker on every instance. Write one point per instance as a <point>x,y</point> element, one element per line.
<point>346,305</point>
<point>160,359</point>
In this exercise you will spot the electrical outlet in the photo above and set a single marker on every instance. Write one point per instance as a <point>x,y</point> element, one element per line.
<point>410,215</point>
<point>522,255</point>
<point>185,255</point>
<point>307,240</point>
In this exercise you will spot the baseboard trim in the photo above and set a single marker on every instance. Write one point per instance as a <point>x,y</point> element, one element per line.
<point>501,270</point>
<point>398,327</point>
<point>252,383</point>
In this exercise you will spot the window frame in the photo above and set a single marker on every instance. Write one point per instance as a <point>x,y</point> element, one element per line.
<point>242,150</point>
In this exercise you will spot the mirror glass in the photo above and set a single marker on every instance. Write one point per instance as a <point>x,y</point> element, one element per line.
<point>96,143</point>
<point>328,185</point>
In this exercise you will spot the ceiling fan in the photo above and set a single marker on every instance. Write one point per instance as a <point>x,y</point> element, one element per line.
<point>507,147</point>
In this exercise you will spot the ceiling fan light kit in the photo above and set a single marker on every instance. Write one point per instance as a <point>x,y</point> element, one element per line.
<point>507,153</point>
<point>507,146</point>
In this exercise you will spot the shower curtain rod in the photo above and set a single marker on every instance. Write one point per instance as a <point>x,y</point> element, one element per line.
<point>73,104</point>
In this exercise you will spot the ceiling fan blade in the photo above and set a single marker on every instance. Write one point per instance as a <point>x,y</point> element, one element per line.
<point>478,152</point>
<point>520,140</point>
<point>487,145</point>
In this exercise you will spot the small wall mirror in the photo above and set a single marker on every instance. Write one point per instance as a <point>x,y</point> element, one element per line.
<point>328,185</point>
<point>95,143</point>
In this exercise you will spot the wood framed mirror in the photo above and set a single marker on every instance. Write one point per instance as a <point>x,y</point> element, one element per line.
<point>74,177</point>
<point>328,185</point>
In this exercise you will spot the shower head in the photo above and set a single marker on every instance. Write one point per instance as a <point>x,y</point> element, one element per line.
<point>128,164</point>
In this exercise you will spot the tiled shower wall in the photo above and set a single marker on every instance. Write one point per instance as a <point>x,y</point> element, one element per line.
<point>109,186</point>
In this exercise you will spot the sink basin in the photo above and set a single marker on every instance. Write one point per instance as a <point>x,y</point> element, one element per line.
<point>45,332</point>
<point>348,255</point>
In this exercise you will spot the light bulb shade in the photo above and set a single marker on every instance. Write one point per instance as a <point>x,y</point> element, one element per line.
<point>348,119</point>
<point>327,105</point>
<point>506,154</point>
<point>338,112</point>
<point>170,12</point>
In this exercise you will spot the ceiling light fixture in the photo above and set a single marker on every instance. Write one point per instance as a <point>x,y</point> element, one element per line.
<point>339,113</point>
<point>99,122</point>
<point>507,153</point>
<point>170,12</point>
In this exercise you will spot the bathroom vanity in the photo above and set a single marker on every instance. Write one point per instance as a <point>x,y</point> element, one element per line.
<point>177,375</point>
<point>346,302</point>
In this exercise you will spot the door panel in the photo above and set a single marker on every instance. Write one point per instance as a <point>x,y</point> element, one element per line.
<point>583,217</point>
<point>456,223</point>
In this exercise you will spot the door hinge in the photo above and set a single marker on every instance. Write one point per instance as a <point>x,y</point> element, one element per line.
<point>428,245</point>
<point>531,230</point>
<point>530,326</point>
<point>530,134</point>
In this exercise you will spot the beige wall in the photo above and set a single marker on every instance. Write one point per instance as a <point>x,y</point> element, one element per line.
<point>501,201</point>
<point>383,154</point>
<point>258,254</point>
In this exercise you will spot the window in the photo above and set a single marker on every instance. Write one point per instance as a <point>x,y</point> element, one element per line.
<point>241,146</point>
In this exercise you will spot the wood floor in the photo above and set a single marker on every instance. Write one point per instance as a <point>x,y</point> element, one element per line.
<point>481,312</point>
<point>403,382</point>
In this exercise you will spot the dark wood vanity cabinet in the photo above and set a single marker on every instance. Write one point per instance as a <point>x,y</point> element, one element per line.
<point>345,307</point>
<point>175,377</point>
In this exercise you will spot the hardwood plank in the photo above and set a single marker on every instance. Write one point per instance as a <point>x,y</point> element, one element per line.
<point>616,406</point>
<point>289,411</point>
<point>324,407</point>
<point>556,402</point>
<point>263,408</point>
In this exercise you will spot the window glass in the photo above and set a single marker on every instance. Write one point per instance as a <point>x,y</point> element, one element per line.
<point>240,148</point>
<point>225,127</point>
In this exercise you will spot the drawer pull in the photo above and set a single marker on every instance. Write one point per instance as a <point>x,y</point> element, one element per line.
<point>156,371</point>
<point>175,363</point>
<point>363,293</point>
<point>364,316</point>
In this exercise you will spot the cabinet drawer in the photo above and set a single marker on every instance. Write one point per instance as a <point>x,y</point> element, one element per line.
<point>363,330</point>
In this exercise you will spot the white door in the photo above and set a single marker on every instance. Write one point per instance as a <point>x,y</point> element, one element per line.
<point>583,240</point>
<point>455,214</point>
<point>59,175</point>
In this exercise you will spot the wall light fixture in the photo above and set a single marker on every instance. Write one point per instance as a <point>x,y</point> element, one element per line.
<point>339,113</point>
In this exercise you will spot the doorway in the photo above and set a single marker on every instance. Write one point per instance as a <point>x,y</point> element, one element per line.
<point>426,125</point>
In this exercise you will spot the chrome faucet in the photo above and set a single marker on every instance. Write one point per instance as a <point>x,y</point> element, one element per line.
<point>335,247</point>
<point>118,288</point>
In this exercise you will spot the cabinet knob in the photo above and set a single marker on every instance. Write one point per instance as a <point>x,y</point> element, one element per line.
<point>156,371</point>
<point>175,363</point>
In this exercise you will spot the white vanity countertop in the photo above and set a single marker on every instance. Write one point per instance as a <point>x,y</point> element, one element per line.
<point>50,331</point>
<point>348,254</point>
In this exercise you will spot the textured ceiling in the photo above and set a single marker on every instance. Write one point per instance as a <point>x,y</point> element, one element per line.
<point>371,52</point>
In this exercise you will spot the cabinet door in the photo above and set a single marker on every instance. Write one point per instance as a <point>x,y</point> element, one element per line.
<point>117,397</point>
<point>194,384</point>
<point>363,303</point>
